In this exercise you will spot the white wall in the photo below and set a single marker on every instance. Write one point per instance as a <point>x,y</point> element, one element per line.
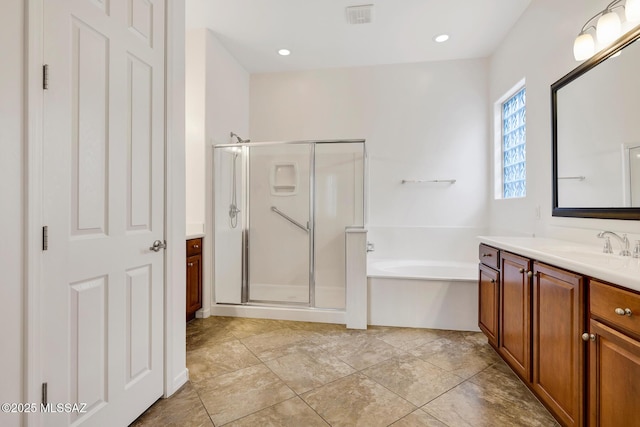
<point>217,103</point>
<point>11,205</point>
<point>421,121</point>
<point>195,116</point>
<point>227,94</point>
<point>539,48</point>
<point>226,110</point>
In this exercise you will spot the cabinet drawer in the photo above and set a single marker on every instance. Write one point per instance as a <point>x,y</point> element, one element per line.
<point>194,247</point>
<point>489,256</point>
<point>616,306</point>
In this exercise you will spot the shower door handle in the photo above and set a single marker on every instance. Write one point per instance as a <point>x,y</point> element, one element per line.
<point>288,218</point>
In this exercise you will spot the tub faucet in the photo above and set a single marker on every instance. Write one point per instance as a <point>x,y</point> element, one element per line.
<point>371,247</point>
<point>624,242</point>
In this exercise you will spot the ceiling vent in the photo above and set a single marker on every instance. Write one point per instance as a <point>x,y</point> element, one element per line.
<point>362,14</point>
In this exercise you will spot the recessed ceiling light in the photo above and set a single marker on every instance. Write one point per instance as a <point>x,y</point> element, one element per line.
<point>284,52</point>
<point>441,38</point>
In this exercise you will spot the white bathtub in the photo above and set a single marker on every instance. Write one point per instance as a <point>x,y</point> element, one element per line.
<point>423,294</point>
<point>422,269</point>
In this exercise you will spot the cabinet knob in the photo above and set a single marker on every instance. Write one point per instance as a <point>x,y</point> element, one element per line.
<point>196,246</point>
<point>190,264</point>
<point>493,280</point>
<point>486,255</point>
<point>623,311</point>
<point>586,337</point>
<point>530,273</point>
<point>521,270</point>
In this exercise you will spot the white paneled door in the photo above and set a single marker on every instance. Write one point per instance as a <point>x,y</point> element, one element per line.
<point>102,287</point>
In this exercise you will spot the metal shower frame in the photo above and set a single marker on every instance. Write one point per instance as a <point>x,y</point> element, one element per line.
<point>246,173</point>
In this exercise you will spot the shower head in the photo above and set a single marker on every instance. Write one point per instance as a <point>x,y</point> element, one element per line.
<point>239,140</point>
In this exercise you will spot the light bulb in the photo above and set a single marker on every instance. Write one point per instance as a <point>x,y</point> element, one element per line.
<point>632,10</point>
<point>608,28</point>
<point>583,47</point>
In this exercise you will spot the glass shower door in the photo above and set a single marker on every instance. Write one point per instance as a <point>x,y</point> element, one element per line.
<point>279,235</point>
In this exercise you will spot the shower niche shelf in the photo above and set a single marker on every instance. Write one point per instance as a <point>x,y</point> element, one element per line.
<point>284,179</point>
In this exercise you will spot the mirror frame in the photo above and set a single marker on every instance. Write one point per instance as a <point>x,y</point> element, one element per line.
<point>586,212</point>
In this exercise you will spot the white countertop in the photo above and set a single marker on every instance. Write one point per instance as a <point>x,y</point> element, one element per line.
<point>195,236</point>
<point>580,258</point>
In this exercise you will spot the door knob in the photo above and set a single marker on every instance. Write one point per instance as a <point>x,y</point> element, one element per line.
<point>157,245</point>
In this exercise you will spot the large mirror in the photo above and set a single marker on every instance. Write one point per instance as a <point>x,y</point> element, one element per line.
<point>596,135</point>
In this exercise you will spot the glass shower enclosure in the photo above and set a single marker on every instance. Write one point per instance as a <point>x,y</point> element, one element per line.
<point>281,210</point>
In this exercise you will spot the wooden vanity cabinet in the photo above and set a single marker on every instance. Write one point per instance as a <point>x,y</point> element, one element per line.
<point>489,301</point>
<point>558,351</point>
<point>545,317</point>
<point>194,277</point>
<point>514,336</point>
<point>489,293</point>
<point>614,356</point>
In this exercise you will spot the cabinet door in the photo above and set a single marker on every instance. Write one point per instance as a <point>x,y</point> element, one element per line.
<point>558,349</point>
<point>515,314</point>
<point>488,303</point>
<point>614,378</point>
<point>194,285</point>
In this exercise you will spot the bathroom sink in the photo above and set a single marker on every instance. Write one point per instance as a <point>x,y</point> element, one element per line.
<point>587,255</point>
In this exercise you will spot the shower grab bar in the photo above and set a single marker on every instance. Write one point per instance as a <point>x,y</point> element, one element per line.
<point>288,218</point>
<point>419,181</point>
<point>579,178</point>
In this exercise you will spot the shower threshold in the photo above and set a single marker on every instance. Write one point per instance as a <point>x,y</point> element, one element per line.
<point>302,313</point>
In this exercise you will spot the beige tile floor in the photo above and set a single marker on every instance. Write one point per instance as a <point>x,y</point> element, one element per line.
<point>252,372</point>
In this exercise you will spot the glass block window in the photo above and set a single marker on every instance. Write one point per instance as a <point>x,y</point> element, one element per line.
<point>514,131</point>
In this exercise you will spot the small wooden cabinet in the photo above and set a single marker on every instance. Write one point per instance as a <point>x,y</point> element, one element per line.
<point>614,356</point>
<point>194,277</point>
<point>489,293</point>
<point>489,301</point>
<point>558,360</point>
<point>515,313</point>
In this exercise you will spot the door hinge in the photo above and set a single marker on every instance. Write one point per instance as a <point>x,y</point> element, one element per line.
<point>45,76</point>
<point>45,238</point>
<point>44,394</point>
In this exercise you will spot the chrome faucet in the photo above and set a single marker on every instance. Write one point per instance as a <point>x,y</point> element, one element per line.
<point>371,247</point>
<point>624,242</point>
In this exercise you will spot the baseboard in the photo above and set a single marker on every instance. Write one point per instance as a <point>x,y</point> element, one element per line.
<point>203,313</point>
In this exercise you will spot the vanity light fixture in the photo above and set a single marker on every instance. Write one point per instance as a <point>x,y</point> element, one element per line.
<point>284,52</point>
<point>608,28</point>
